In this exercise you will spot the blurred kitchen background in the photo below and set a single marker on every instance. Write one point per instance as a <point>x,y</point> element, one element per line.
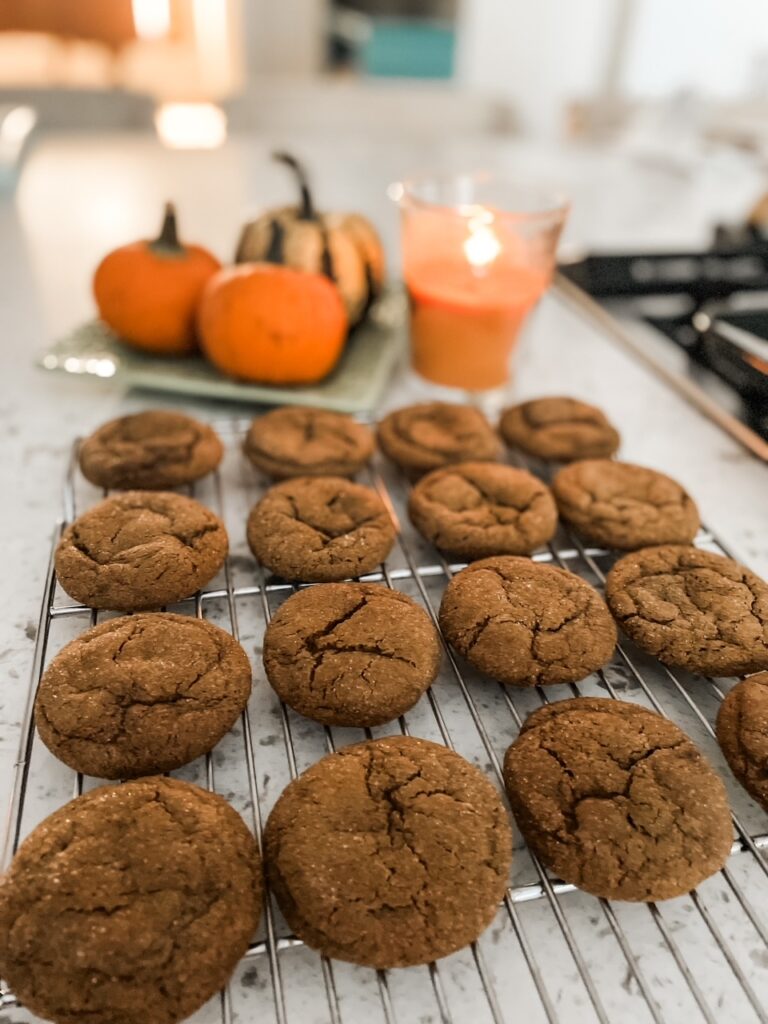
<point>584,69</point>
<point>668,83</point>
<point>587,69</point>
<point>652,114</point>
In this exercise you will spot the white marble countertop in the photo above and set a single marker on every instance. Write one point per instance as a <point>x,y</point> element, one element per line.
<point>79,197</point>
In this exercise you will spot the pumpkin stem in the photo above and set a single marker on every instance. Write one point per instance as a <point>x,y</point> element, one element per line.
<point>307,207</point>
<point>168,239</point>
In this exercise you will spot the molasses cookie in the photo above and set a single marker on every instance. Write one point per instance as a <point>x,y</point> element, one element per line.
<point>297,441</point>
<point>617,800</point>
<point>742,732</point>
<point>141,694</point>
<point>475,509</point>
<point>139,550</point>
<point>130,904</point>
<point>151,450</point>
<point>320,529</point>
<point>559,429</point>
<point>356,654</point>
<point>390,853</point>
<point>618,505</point>
<point>524,623</point>
<point>692,609</point>
<point>423,437</point>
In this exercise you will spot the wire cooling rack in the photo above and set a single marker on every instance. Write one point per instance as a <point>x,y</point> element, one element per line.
<point>553,954</point>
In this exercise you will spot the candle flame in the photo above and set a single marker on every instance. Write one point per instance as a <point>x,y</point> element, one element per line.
<point>482,246</point>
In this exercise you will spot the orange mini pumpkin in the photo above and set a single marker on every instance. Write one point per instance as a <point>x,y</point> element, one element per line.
<point>271,324</point>
<point>148,292</point>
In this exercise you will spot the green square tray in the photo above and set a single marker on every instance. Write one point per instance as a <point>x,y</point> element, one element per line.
<point>355,386</point>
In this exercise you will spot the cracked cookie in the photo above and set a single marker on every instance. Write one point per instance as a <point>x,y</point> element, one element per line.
<point>356,654</point>
<point>617,800</point>
<point>151,450</point>
<point>692,609</point>
<point>526,624</point>
<point>141,694</point>
<point>422,437</point>
<point>140,550</point>
<point>476,509</point>
<point>298,441</point>
<point>742,732</point>
<point>128,905</point>
<point>388,854</point>
<point>558,429</point>
<point>320,529</point>
<point>619,505</point>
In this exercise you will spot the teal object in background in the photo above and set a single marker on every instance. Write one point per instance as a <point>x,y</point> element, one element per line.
<point>409,49</point>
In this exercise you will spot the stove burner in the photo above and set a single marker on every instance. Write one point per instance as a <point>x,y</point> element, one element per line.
<point>722,321</point>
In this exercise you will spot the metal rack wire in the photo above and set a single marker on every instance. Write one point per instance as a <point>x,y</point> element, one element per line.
<point>553,954</point>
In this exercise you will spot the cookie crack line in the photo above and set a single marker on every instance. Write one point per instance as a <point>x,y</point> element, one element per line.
<point>328,538</point>
<point>372,649</point>
<point>627,504</point>
<point>669,646</point>
<point>454,433</point>
<point>135,630</point>
<point>397,828</point>
<point>490,501</point>
<point>121,731</point>
<point>692,588</point>
<point>319,657</point>
<point>326,433</point>
<point>186,539</point>
<point>606,748</point>
<point>314,641</point>
<point>568,833</point>
<point>389,793</point>
<point>139,627</point>
<point>534,627</point>
<point>572,419</point>
<point>313,638</point>
<point>153,454</point>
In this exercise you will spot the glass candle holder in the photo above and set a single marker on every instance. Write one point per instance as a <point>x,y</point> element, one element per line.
<point>478,253</point>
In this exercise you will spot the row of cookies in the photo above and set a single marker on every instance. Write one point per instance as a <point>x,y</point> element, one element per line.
<point>390,853</point>
<point>320,529</point>
<point>468,504</point>
<point>159,449</point>
<point>519,621</point>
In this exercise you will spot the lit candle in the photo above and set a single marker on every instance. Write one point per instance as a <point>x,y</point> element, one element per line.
<point>473,274</point>
<point>481,246</point>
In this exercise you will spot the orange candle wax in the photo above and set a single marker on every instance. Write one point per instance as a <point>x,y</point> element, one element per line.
<point>465,321</point>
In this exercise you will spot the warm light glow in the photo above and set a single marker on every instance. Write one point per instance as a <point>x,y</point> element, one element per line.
<point>151,18</point>
<point>482,246</point>
<point>191,125</point>
<point>395,191</point>
<point>16,125</point>
<point>210,18</point>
